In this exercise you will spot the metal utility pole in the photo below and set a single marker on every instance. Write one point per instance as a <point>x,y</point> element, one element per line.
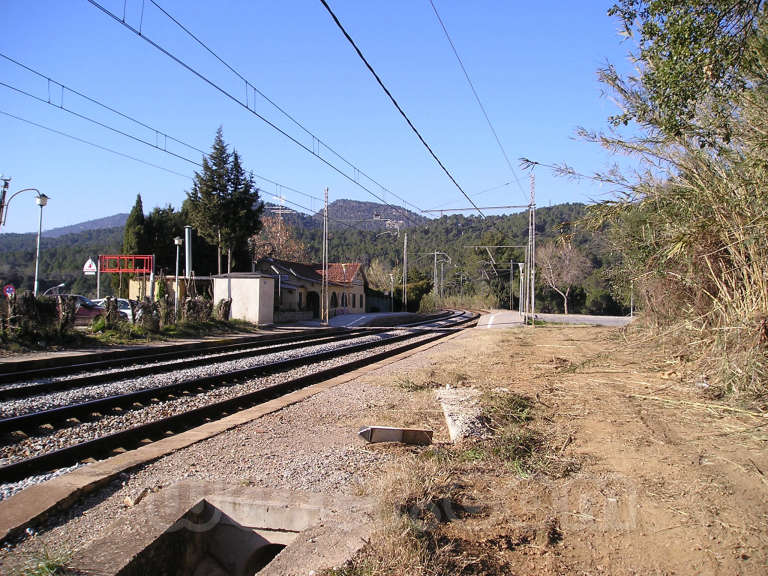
<point>442,278</point>
<point>520,299</point>
<point>405,273</point>
<point>41,200</point>
<point>177,242</point>
<point>3,193</point>
<point>532,251</point>
<point>391,292</point>
<point>511,276</point>
<point>434,276</point>
<point>524,288</point>
<point>324,287</point>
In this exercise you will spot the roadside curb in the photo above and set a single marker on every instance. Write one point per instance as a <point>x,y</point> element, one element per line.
<point>33,504</point>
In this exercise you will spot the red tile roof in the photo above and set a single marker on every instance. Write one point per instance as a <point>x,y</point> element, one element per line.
<point>341,273</point>
<point>338,273</point>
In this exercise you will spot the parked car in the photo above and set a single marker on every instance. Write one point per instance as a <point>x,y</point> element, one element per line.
<point>86,310</point>
<point>123,307</point>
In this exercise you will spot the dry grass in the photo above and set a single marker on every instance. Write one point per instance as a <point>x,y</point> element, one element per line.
<point>430,497</point>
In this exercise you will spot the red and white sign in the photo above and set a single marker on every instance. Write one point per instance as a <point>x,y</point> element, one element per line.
<point>9,290</point>
<point>89,269</point>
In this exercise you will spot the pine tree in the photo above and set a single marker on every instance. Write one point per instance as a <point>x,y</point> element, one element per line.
<point>134,234</point>
<point>209,189</point>
<point>224,203</point>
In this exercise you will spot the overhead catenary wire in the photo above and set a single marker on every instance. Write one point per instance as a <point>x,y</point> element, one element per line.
<point>246,105</point>
<point>282,110</point>
<point>93,101</point>
<point>395,103</point>
<point>89,143</point>
<point>128,156</point>
<point>165,135</point>
<point>477,97</point>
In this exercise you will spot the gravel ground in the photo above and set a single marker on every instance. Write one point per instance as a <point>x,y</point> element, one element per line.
<point>9,489</point>
<point>60,438</point>
<point>170,363</point>
<point>312,445</point>
<point>66,397</point>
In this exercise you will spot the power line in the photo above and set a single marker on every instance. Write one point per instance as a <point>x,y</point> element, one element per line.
<point>246,105</point>
<point>92,100</point>
<point>166,136</point>
<point>477,97</point>
<point>282,110</point>
<point>93,144</point>
<point>98,123</point>
<point>122,154</point>
<point>399,109</point>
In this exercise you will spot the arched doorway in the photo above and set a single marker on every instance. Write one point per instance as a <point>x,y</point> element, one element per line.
<point>313,303</point>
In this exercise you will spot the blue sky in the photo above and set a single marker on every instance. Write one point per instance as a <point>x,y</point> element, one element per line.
<point>533,63</point>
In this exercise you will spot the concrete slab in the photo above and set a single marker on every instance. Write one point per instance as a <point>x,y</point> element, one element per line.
<point>195,526</point>
<point>463,413</point>
<point>375,434</point>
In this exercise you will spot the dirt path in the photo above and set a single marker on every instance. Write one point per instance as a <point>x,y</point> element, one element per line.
<point>638,472</point>
<point>670,482</point>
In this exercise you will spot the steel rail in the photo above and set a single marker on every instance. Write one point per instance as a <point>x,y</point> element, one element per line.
<point>145,355</point>
<point>89,380</point>
<point>32,420</point>
<point>189,419</point>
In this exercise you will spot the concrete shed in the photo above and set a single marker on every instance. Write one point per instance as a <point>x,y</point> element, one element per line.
<point>252,293</point>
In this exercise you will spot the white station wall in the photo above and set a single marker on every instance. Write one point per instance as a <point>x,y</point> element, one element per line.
<point>252,298</point>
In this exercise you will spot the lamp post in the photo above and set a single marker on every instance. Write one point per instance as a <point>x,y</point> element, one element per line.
<point>5,203</point>
<point>41,200</point>
<point>55,288</point>
<point>279,286</point>
<point>178,242</point>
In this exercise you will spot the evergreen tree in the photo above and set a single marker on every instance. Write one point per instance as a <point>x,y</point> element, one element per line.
<point>243,209</point>
<point>134,234</point>
<point>224,204</point>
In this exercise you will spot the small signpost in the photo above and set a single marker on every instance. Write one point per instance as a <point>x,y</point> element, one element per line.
<point>89,269</point>
<point>9,290</point>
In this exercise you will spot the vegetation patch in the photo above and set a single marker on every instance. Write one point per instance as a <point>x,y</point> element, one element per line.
<point>45,562</point>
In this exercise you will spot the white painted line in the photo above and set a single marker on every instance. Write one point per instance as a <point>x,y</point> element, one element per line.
<point>356,321</point>
<point>490,321</point>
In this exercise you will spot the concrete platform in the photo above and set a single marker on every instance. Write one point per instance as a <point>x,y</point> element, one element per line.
<point>203,528</point>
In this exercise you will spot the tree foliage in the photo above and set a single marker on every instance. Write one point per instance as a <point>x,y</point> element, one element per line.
<point>223,204</point>
<point>692,57</point>
<point>134,237</point>
<point>561,266</point>
<point>690,230</point>
<point>277,239</point>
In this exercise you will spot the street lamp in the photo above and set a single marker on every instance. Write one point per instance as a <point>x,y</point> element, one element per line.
<point>5,203</point>
<point>178,242</point>
<point>41,200</point>
<point>279,286</point>
<point>56,288</point>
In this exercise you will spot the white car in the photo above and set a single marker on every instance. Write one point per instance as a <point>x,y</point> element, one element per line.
<point>123,307</point>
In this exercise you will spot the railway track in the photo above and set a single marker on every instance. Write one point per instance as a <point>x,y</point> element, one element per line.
<point>188,401</point>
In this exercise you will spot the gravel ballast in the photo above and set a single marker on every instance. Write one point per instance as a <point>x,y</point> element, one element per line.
<point>312,445</point>
<point>32,446</point>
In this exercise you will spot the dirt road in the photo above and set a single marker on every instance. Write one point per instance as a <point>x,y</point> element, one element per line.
<point>637,472</point>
